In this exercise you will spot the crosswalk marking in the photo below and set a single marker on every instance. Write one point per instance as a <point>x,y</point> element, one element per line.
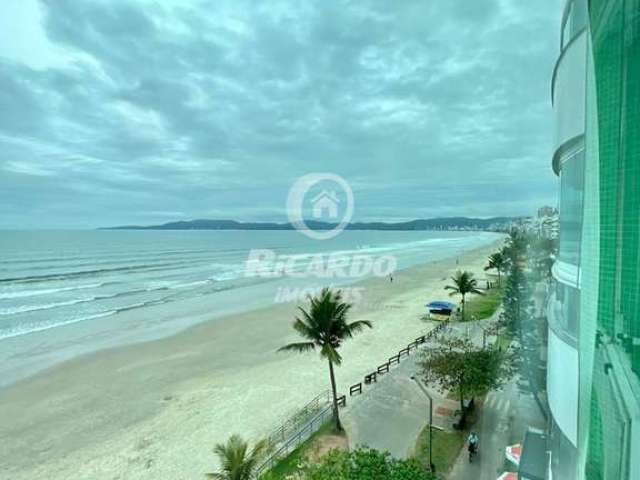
<point>497,403</point>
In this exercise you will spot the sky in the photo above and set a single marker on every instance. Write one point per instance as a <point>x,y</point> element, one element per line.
<point>138,112</point>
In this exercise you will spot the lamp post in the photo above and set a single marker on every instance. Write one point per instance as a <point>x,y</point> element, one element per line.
<point>426,392</point>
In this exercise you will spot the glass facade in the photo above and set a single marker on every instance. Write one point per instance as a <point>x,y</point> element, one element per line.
<point>563,461</point>
<point>566,315</point>
<point>571,203</point>
<point>610,443</point>
<point>575,20</point>
<point>610,410</point>
<point>600,233</point>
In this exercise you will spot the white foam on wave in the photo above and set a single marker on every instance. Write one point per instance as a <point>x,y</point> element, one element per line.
<point>45,291</point>
<point>196,283</point>
<point>27,329</point>
<point>227,271</point>
<point>47,306</point>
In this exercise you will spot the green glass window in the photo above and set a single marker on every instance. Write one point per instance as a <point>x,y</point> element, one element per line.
<point>615,36</point>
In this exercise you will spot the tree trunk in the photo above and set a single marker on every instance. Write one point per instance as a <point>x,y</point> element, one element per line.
<point>463,412</point>
<point>336,413</point>
<point>463,307</point>
<point>499,280</point>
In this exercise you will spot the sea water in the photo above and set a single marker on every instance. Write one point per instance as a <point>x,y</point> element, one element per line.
<point>65,293</point>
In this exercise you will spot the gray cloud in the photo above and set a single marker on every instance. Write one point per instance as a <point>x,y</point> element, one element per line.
<point>163,110</point>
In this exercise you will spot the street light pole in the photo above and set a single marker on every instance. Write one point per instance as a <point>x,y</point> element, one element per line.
<point>426,392</point>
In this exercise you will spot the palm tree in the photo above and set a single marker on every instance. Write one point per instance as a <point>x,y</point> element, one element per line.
<point>498,262</point>
<point>463,284</point>
<point>236,461</point>
<point>324,325</point>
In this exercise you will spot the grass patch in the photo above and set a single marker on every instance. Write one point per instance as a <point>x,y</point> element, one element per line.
<point>435,317</point>
<point>483,306</point>
<point>446,444</point>
<point>289,465</point>
<point>446,448</point>
<point>503,341</point>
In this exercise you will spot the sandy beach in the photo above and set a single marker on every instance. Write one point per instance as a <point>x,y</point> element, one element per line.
<point>155,410</point>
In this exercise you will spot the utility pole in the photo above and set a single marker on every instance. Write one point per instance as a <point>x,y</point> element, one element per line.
<point>426,392</point>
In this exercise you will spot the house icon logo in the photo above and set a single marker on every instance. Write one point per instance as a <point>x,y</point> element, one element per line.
<point>325,205</point>
<point>334,203</point>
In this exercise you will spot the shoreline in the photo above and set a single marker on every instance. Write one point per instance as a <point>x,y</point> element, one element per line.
<point>156,408</point>
<point>151,316</point>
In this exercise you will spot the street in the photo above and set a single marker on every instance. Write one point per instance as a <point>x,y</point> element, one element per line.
<point>503,420</point>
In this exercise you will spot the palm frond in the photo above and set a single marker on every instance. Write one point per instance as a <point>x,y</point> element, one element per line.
<point>331,354</point>
<point>358,326</point>
<point>304,329</point>
<point>234,462</point>
<point>298,347</point>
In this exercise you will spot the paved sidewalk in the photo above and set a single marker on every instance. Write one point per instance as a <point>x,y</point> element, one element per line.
<point>391,413</point>
<point>503,420</point>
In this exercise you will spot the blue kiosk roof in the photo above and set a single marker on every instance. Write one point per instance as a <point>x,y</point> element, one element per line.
<point>441,305</point>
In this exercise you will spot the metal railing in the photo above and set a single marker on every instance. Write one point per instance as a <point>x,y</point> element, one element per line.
<point>299,437</point>
<point>308,420</point>
<point>299,419</point>
<point>396,359</point>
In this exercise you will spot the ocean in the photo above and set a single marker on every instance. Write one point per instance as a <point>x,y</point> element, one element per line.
<point>67,293</point>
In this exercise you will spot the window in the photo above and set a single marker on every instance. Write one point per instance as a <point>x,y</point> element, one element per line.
<point>563,458</point>
<point>575,21</point>
<point>566,315</point>
<point>571,201</point>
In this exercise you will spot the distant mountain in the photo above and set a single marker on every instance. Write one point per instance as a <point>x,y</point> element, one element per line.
<point>450,223</point>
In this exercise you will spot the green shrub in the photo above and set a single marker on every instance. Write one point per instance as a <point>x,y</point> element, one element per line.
<point>364,464</point>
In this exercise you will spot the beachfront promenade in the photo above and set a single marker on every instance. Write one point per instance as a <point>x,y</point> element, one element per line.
<point>392,413</point>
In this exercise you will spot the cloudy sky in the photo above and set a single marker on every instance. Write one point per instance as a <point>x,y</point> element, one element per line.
<point>117,112</point>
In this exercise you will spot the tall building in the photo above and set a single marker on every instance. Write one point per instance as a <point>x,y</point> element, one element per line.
<point>594,314</point>
<point>568,96</point>
<point>546,211</point>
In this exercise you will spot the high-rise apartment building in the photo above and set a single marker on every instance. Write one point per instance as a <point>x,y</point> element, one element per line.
<point>594,312</point>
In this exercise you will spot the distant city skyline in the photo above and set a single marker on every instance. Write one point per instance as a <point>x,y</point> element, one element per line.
<point>141,112</point>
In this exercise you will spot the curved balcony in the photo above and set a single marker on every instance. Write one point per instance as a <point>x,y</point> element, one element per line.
<point>563,314</point>
<point>574,20</point>
<point>562,377</point>
<point>571,165</point>
<point>568,91</point>
<point>566,273</point>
